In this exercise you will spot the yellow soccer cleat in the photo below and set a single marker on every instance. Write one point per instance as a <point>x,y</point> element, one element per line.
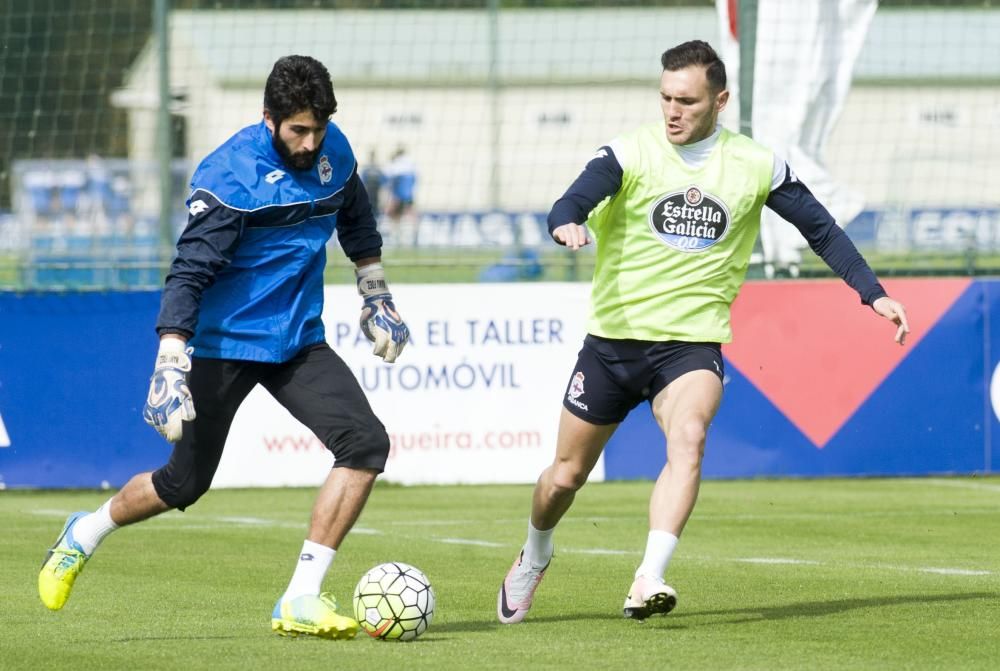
<point>314,615</point>
<point>63,563</point>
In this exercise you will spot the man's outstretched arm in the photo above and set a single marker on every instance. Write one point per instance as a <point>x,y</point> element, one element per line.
<point>793,201</point>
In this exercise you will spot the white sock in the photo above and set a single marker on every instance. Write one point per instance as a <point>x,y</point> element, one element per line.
<point>660,547</point>
<point>91,529</point>
<point>538,548</point>
<point>314,560</point>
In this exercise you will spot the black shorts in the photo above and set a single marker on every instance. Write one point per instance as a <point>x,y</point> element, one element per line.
<point>315,386</point>
<point>613,376</point>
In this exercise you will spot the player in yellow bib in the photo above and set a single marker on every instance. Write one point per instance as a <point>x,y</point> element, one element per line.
<point>674,208</point>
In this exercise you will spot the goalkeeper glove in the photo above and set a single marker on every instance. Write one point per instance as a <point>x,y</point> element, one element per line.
<point>169,401</point>
<point>380,322</point>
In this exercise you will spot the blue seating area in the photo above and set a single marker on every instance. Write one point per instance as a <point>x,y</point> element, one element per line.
<point>83,224</point>
<point>97,262</point>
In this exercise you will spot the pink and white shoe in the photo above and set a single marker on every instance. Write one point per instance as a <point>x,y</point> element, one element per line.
<point>649,596</point>
<point>518,589</point>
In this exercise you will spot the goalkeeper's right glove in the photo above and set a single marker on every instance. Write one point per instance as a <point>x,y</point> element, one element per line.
<point>169,400</point>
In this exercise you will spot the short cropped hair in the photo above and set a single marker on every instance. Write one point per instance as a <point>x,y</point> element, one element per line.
<point>299,83</point>
<point>700,53</point>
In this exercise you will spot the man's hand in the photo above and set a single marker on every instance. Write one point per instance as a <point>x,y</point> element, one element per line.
<point>573,236</point>
<point>894,312</point>
<point>380,322</point>
<point>169,400</point>
<point>382,325</point>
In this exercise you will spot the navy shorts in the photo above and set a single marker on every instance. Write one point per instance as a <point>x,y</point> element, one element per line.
<point>613,376</point>
<point>315,386</point>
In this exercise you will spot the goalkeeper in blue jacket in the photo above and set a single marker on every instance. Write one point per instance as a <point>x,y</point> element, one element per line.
<point>242,305</point>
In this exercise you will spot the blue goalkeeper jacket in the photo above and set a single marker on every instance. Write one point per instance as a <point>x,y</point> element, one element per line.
<point>247,281</point>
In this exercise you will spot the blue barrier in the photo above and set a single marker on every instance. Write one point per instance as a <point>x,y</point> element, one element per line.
<point>930,414</point>
<point>74,371</point>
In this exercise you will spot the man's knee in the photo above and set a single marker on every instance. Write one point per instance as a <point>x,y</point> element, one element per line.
<point>368,449</point>
<point>686,442</point>
<point>179,491</point>
<point>568,476</point>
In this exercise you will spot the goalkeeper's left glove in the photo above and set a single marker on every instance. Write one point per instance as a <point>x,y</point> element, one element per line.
<point>169,402</point>
<point>380,322</point>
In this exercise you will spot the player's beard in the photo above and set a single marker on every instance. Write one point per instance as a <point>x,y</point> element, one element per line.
<point>704,129</point>
<point>302,160</point>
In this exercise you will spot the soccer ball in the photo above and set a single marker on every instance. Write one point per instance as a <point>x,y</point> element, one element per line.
<point>394,601</point>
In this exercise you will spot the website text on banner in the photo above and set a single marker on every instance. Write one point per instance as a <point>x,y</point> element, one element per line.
<point>472,399</point>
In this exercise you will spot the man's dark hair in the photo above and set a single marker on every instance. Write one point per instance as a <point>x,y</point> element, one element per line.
<point>700,53</point>
<point>298,83</point>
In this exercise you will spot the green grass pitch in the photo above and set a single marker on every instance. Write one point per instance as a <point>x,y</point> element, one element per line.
<point>819,574</point>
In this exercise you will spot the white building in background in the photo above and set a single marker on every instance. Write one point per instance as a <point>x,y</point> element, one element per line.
<point>566,82</point>
<point>920,127</point>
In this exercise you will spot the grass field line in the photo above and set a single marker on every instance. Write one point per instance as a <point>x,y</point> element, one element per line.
<point>824,515</point>
<point>961,484</point>
<point>469,541</point>
<point>174,521</point>
<point>778,560</point>
<point>891,567</point>
<point>786,561</point>
<point>227,522</point>
<point>476,542</point>
<point>938,570</point>
<point>936,512</point>
<point>600,551</point>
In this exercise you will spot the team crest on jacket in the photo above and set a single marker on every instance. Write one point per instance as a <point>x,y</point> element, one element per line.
<point>689,220</point>
<point>325,170</point>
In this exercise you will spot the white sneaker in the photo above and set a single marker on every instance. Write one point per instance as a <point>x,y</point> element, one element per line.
<point>518,589</point>
<point>649,596</point>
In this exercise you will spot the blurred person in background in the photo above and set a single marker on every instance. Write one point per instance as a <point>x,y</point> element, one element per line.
<point>242,305</point>
<point>674,208</point>
<point>401,177</point>
<point>373,178</point>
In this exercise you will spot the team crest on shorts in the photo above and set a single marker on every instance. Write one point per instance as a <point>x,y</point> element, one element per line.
<point>689,220</point>
<point>576,391</point>
<point>325,170</point>
<point>576,385</point>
